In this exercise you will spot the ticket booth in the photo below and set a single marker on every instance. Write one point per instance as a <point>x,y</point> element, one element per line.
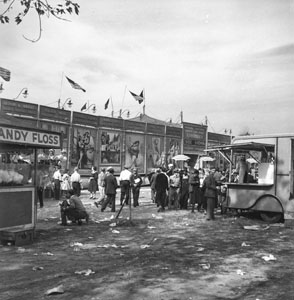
<point>19,144</point>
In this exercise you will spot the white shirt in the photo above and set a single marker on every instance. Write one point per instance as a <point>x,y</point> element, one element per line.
<point>125,175</point>
<point>75,177</point>
<point>57,175</point>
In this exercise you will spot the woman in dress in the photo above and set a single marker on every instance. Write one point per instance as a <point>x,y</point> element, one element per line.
<point>65,184</point>
<point>93,182</point>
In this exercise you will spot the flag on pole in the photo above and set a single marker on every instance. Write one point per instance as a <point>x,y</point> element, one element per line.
<point>75,85</point>
<point>5,74</point>
<point>140,98</point>
<point>106,104</point>
<point>84,107</point>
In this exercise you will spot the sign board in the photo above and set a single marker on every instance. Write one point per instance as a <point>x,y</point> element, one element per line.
<point>194,138</point>
<point>154,128</point>
<point>85,119</point>
<point>174,131</point>
<point>54,114</point>
<point>19,108</point>
<point>216,139</point>
<point>17,207</point>
<point>29,137</point>
<point>110,122</point>
<point>134,126</point>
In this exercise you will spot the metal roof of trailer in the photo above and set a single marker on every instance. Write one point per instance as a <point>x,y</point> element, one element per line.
<point>251,146</point>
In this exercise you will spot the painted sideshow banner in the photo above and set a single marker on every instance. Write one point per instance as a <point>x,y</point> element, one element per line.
<point>155,152</point>
<point>84,148</point>
<point>135,151</point>
<point>173,147</point>
<point>110,147</point>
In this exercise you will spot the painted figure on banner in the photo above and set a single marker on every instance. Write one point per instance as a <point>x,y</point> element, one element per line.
<point>84,149</point>
<point>134,154</point>
<point>110,147</point>
<point>173,150</point>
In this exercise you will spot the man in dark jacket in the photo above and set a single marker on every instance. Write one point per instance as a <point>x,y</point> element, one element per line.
<point>161,186</point>
<point>209,188</point>
<point>110,189</point>
<point>194,186</point>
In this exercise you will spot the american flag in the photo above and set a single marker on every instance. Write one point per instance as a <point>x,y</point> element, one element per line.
<point>140,98</point>
<point>5,74</point>
<point>75,85</point>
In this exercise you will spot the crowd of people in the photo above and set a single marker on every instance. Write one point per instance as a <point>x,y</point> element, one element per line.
<point>187,189</point>
<point>172,189</point>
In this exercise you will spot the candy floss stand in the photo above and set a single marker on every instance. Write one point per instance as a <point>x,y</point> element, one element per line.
<point>19,144</point>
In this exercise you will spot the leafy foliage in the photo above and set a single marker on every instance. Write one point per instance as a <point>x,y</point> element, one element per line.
<point>42,8</point>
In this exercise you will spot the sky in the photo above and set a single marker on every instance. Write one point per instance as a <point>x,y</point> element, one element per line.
<point>231,61</point>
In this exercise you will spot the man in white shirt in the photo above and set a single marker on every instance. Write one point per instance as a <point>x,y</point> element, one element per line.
<point>57,179</point>
<point>75,180</point>
<point>125,179</point>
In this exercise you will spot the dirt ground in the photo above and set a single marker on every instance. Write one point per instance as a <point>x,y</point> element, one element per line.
<point>174,255</point>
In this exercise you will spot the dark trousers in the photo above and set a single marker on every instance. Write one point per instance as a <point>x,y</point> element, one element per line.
<point>136,193</point>
<point>74,215</point>
<point>124,191</point>
<point>76,188</point>
<point>56,189</point>
<point>110,198</point>
<point>184,200</point>
<point>210,208</point>
<point>161,198</point>
<point>40,195</point>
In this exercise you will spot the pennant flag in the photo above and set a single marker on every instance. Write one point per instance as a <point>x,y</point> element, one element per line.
<point>5,74</point>
<point>84,107</point>
<point>139,98</point>
<point>75,85</point>
<point>106,104</point>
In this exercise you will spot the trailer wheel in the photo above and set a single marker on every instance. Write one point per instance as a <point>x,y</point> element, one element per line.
<point>271,217</point>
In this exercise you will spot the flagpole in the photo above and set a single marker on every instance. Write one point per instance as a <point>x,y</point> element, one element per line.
<point>60,89</point>
<point>111,106</point>
<point>144,102</point>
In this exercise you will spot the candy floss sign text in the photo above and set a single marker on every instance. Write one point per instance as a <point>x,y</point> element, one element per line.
<point>28,137</point>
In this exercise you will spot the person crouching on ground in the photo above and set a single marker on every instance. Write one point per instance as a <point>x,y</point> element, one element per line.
<point>110,189</point>
<point>76,210</point>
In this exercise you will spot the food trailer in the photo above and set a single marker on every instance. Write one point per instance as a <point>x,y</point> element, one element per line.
<point>269,184</point>
<point>19,144</point>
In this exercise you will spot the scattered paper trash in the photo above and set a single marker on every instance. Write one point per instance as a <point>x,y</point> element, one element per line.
<point>21,250</point>
<point>115,231</point>
<point>244,245</point>
<point>151,227</point>
<point>85,272</point>
<point>72,244</point>
<point>112,224</point>
<point>268,257</point>
<point>156,217</point>
<point>47,253</point>
<point>256,227</point>
<point>37,268</point>
<point>205,266</point>
<point>240,272</point>
<point>200,249</point>
<point>57,290</point>
<point>144,246</point>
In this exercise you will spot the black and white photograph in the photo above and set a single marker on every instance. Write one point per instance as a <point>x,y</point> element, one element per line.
<point>146,149</point>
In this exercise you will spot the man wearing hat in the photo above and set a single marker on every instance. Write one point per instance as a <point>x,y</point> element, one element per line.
<point>110,189</point>
<point>125,179</point>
